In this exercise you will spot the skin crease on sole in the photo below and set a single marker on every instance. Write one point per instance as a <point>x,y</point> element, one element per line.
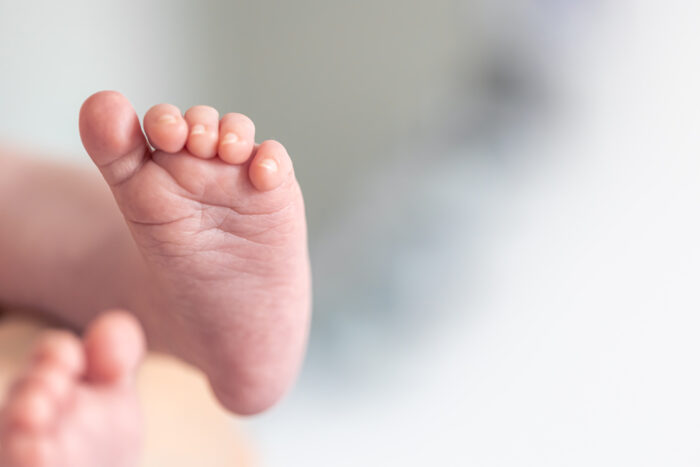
<point>219,223</point>
<point>76,403</point>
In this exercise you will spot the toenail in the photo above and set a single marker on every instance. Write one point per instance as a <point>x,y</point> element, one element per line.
<point>167,118</point>
<point>229,138</point>
<point>198,130</point>
<point>269,164</point>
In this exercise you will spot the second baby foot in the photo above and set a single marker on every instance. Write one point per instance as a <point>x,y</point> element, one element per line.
<point>76,403</point>
<point>220,224</point>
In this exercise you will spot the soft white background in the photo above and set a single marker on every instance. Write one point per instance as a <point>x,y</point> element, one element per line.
<point>503,200</point>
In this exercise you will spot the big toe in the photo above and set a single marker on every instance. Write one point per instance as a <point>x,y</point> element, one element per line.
<point>111,133</point>
<point>114,345</point>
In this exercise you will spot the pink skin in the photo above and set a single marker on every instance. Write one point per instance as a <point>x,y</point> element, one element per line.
<point>76,404</point>
<point>203,127</point>
<point>166,128</point>
<point>236,138</point>
<point>223,240</point>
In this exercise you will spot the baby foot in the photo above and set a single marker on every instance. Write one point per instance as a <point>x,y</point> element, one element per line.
<point>220,224</point>
<point>76,405</point>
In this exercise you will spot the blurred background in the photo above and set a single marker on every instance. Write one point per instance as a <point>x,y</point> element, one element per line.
<point>502,202</point>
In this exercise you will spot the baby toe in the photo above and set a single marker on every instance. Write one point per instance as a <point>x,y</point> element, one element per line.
<point>55,380</point>
<point>270,167</point>
<point>236,138</point>
<point>26,450</point>
<point>203,123</point>
<point>29,408</point>
<point>166,128</point>
<point>62,349</point>
<point>111,133</point>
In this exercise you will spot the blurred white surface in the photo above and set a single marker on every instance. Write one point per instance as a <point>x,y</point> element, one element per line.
<point>567,307</point>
